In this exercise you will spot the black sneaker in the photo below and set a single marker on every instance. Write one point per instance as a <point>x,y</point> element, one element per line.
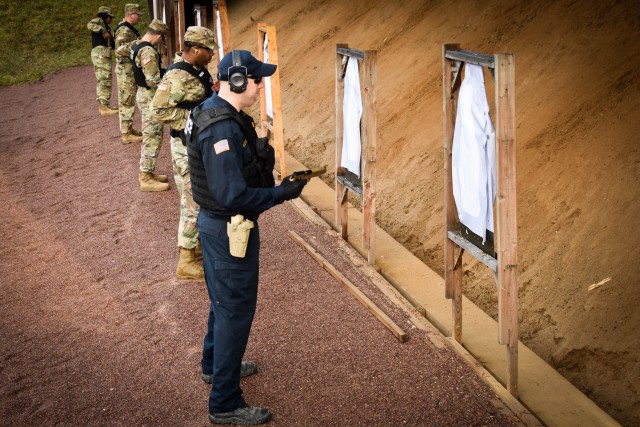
<point>248,367</point>
<point>247,416</point>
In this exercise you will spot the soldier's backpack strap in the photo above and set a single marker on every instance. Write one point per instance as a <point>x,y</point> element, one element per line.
<point>126,24</point>
<point>202,75</point>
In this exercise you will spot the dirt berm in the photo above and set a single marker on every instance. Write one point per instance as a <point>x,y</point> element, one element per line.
<point>578,159</point>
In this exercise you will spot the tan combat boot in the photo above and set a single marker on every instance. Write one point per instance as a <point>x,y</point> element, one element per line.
<point>147,183</point>
<point>105,110</point>
<point>197,253</point>
<point>188,268</point>
<point>132,131</point>
<point>160,177</point>
<point>128,138</point>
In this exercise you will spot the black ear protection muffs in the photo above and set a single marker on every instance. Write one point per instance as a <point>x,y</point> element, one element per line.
<point>237,74</point>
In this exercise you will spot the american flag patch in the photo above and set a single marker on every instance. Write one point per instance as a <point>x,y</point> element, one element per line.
<point>221,146</point>
<point>162,87</point>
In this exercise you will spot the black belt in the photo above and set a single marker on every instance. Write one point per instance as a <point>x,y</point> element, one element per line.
<point>226,217</point>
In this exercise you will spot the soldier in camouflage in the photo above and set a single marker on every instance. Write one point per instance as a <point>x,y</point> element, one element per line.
<point>102,43</point>
<point>186,84</point>
<point>147,71</point>
<point>124,34</point>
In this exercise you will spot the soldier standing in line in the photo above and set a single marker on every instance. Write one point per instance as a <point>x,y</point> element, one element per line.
<point>148,73</point>
<point>186,84</point>
<point>102,43</point>
<point>125,33</point>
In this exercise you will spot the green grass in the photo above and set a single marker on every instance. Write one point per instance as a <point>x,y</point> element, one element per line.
<point>40,37</point>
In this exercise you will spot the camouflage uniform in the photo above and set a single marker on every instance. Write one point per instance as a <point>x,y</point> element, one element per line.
<point>180,86</point>
<point>101,58</point>
<point>127,87</point>
<point>147,59</point>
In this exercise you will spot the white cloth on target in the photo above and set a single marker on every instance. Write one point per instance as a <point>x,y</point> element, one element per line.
<point>474,155</point>
<point>352,113</point>
<point>267,80</point>
<point>219,33</point>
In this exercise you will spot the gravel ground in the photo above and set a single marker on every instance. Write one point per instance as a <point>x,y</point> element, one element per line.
<point>96,330</point>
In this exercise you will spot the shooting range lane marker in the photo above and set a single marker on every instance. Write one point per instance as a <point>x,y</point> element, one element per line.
<point>357,293</point>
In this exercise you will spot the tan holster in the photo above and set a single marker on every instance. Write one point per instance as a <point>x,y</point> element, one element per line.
<point>238,231</point>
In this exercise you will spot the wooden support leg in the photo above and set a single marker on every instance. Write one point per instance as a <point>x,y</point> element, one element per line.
<point>457,295</point>
<point>342,212</point>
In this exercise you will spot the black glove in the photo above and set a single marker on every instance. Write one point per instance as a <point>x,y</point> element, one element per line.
<point>292,189</point>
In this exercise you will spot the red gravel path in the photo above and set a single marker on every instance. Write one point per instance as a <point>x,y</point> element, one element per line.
<point>96,330</point>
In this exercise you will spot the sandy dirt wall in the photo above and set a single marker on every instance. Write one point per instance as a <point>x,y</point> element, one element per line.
<point>578,161</point>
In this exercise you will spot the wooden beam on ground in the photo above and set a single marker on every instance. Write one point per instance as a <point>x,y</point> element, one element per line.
<point>357,293</point>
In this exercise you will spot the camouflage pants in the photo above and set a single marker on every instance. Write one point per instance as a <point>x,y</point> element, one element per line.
<point>188,226</point>
<point>127,89</point>
<point>151,131</point>
<point>101,58</point>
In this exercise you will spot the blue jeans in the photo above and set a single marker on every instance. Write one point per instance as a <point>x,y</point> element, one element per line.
<point>232,284</point>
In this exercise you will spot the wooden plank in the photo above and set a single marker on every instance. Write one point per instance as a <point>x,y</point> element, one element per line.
<point>349,184</point>
<point>277,130</point>
<point>506,214</point>
<point>473,250</point>
<point>224,26</point>
<point>341,196</point>
<point>390,288</point>
<point>163,11</point>
<point>352,53</point>
<point>449,204</point>
<point>513,405</point>
<point>456,301</point>
<point>453,255</point>
<point>180,20</point>
<point>349,286</point>
<point>261,26</point>
<point>470,57</point>
<point>276,101</point>
<point>369,155</point>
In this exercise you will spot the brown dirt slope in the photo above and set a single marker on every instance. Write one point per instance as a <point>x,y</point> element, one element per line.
<point>578,104</point>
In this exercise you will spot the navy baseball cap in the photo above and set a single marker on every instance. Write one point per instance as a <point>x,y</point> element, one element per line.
<point>254,66</point>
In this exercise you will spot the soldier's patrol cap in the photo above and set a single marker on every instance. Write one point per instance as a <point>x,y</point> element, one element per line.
<point>201,35</point>
<point>158,26</point>
<point>132,8</point>
<point>105,9</point>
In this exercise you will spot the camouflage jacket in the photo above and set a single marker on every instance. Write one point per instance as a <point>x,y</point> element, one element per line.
<point>147,59</point>
<point>177,86</point>
<point>123,35</point>
<point>97,26</point>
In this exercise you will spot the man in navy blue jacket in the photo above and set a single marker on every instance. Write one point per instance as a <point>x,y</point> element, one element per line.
<point>231,175</point>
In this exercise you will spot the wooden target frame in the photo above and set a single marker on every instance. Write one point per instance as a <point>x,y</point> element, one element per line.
<point>365,187</point>
<point>505,266</point>
<point>271,126</point>
<point>222,30</point>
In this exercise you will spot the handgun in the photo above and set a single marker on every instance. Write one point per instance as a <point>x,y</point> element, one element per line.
<point>308,174</point>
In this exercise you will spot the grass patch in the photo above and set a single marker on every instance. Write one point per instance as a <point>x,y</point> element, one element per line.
<point>40,37</point>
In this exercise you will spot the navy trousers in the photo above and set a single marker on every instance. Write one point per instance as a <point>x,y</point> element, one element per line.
<point>232,284</point>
